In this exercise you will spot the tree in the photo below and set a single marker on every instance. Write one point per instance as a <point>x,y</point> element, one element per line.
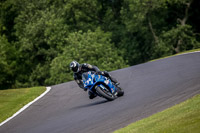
<point>153,26</point>
<point>180,37</point>
<point>141,36</point>
<point>37,37</point>
<point>41,32</point>
<point>9,10</point>
<point>86,47</point>
<point>7,63</point>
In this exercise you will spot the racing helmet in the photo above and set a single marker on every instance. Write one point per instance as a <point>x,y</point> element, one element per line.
<point>74,66</point>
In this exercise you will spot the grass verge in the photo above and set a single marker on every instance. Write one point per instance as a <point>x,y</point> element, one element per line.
<point>193,50</point>
<point>12,100</point>
<point>181,118</point>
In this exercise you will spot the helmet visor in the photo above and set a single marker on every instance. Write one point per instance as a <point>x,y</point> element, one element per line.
<point>75,69</point>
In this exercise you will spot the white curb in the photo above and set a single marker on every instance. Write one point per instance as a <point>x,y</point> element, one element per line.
<point>47,90</point>
<point>26,106</point>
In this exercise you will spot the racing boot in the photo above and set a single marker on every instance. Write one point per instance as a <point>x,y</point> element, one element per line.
<point>114,81</point>
<point>91,95</point>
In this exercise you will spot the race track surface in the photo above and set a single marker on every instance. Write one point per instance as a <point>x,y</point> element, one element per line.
<point>149,88</point>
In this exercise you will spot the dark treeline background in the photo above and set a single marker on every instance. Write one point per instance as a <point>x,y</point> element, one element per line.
<point>39,38</point>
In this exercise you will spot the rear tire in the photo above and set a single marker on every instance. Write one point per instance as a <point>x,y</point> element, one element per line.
<point>109,97</point>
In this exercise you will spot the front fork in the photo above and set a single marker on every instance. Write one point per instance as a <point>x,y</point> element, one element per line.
<point>113,92</point>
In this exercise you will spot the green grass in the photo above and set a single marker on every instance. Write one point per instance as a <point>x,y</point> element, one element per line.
<point>12,100</point>
<point>193,50</point>
<point>181,118</point>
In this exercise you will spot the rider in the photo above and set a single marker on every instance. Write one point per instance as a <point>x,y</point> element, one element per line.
<point>79,69</point>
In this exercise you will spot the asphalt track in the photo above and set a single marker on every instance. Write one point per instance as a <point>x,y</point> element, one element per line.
<point>149,88</point>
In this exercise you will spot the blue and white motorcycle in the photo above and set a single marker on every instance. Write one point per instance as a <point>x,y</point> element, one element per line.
<point>101,86</point>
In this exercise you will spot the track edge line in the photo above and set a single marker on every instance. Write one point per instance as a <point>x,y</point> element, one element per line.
<point>26,106</point>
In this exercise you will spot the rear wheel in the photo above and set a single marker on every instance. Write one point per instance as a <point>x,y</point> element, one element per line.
<point>105,93</point>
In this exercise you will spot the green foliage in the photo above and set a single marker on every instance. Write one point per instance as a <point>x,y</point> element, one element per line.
<point>81,14</point>
<point>7,64</point>
<point>90,47</point>
<point>183,34</point>
<point>8,11</point>
<point>4,71</point>
<point>152,31</point>
<point>138,40</point>
<point>39,74</point>
<point>39,38</point>
<point>41,32</point>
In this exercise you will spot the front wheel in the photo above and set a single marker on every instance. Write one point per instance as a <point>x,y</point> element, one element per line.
<point>105,93</point>
<point>120,91</point>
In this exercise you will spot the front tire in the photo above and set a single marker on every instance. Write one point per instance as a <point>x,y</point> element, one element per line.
<point>120,91</point>
<point>107,95</point>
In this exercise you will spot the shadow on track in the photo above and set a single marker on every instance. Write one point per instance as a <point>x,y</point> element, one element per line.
<point>90,104</point>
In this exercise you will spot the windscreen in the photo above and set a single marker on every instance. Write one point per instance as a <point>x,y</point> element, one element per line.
<point>85,76</point>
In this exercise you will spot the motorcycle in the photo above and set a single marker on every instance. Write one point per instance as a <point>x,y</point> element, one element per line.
<point>101,86</point>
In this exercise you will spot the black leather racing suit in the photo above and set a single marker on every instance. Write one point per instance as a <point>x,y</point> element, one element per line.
<point>87,67</point>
